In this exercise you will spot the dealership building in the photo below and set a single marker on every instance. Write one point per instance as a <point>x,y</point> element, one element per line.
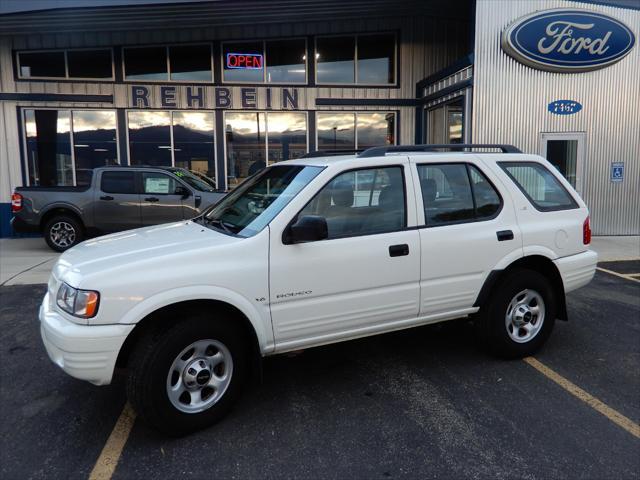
<point>226,87</point>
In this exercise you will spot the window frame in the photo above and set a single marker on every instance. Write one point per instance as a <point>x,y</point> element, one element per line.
<point>406,226</point>
<point>355,125</point>
<point>473,195</point>
<point>66,77</point>
<point>266,137</point>
<point>23,131</point>
<point>168,62</point>
<point>503,165</point>
<point>355,83</point>
<point>265,61</point>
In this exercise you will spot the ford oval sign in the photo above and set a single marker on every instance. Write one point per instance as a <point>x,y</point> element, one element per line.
<point>567,40</point>
<point>564,107</point>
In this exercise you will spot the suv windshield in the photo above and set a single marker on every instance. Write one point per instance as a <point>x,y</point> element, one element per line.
<point>253,204</point>
<point>193,180</point>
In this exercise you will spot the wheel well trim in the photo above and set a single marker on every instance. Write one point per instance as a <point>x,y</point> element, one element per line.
<point>260,321</point>
<point>68,208</point>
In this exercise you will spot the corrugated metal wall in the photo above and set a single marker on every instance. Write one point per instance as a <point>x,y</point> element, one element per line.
<point>510,106</point>
<point>427,44</point>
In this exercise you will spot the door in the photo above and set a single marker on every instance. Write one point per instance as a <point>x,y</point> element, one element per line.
<point>468,229</point>
<point>362,277</point>
<point>565,151</point>
<point>159,201</point>
<point>116,202</point>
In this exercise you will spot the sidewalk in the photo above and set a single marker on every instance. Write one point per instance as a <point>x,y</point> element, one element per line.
<point>25,261</point>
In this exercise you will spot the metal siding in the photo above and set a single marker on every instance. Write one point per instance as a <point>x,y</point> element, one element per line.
<point>510,106</point>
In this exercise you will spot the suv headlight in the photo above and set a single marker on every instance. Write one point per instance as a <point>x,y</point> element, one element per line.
<point>79,303</point>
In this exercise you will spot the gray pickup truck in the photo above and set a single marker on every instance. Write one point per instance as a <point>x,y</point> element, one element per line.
<point>115,199</point>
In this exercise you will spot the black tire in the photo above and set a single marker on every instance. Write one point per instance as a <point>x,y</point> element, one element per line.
<point>491,321</point>
<point>152,360</point>
<point>71,229</point>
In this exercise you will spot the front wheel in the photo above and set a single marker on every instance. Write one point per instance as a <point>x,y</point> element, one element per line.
<point>188,376</point>
<point>519,316</point>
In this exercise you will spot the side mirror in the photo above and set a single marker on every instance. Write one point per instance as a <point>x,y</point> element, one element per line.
<point>180,190</point>
<point>307,229</point>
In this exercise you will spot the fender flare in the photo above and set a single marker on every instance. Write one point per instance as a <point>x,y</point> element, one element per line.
<point>60,205</point>
<point>260,321</point>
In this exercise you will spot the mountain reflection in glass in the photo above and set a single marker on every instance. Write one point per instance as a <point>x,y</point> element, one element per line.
<point>150,138</point>
<point>245,134</point>
<point>94,142</point>
<point>193,141</point>
<point>336,131</point>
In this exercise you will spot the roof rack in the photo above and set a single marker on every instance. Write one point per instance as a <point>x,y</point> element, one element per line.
<point>329,153</point>
<point>381,151</point>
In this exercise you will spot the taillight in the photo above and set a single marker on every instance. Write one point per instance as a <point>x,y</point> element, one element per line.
<point>586,232</point>
<point>16,202</point>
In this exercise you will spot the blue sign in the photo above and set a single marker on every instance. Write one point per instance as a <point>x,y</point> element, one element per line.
<point>617,171</point>
<point>564,107</point>
<point>567,40</point>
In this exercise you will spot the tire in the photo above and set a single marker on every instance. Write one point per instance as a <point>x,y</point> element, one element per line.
<point>509,325</point>
<point>150,382</point>
<point>63,232</point>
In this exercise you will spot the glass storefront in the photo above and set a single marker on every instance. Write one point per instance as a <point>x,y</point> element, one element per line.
<point>355,131</point>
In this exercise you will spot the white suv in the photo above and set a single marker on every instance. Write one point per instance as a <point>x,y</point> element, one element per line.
<point>314,251</point>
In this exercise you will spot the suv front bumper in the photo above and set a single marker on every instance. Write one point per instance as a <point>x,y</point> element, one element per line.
<point>86,352</point>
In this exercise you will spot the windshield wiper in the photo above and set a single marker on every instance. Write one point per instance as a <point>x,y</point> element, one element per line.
<point>219,223</point>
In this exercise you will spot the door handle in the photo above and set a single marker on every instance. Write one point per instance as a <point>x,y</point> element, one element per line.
<point>399,250</point>
<point>151,199</point>
<point>106,197</point>
<point>504,235</point>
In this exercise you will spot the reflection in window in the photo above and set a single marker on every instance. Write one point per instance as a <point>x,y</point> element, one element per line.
<point>94,142</point>
<point>42,64</point>
<point>285,61</point>
<point>254,137</point>
<point>49,147</point>
<point>245,134</point>
<point>190,62</point>
<point>150,138</point>
<point>243,62</point>
<point>335,58</point>
<point>376,59</point>
<point>337,131</point>
<point>145,63</point>
<point>446,193</point>
<point>193,147</point>
<point>90,64</point>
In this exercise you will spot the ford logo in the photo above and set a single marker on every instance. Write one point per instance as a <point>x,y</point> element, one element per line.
<point>564,107</point>
<point>567,40</point>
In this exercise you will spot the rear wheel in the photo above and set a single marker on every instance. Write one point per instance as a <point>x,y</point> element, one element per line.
<point>63,232</point>
<point>519,316</point>
<point>187,377</point>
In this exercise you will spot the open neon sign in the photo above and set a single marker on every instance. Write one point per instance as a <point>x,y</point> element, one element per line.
<point>251,61</point>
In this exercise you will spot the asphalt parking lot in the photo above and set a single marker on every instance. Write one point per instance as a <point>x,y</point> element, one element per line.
<point>420,403</point>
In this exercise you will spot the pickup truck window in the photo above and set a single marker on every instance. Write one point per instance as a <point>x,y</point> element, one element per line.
<point>201,184</point>
<point>158,183</point>
<point>252,205</point>
<point>539,185</point>
<point>118,182</point>
<point>361,202</point>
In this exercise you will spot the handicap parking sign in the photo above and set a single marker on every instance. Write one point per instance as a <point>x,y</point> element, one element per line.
<point>617,171</point>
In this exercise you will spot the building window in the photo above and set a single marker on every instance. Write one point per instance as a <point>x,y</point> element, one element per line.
<point>178,63</point>
<point>355,131</point>
<point>173,138</point>
<point>254,137</point>
<point>360,59</point>
<point>64,146</point>
<point>67,64</point>
<point>270,61</point>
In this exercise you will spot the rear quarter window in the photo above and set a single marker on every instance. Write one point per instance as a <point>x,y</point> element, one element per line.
<point>539,185</point>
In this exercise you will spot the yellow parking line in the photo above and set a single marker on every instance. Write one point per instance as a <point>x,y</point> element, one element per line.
<point>613,415</point>
<point>108,459</point>
<point>621,275</point>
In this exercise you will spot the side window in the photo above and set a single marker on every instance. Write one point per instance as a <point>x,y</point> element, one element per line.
<point>487,199</point>
<point>446,193</point>
<point>362,202</point>
<point>539,185</point>
<point>158,183</point>
<point>118,182</point>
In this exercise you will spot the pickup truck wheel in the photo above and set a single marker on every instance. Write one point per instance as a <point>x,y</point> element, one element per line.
<point>519,316</point>
<point>187,377</point>
<point>63,232</point>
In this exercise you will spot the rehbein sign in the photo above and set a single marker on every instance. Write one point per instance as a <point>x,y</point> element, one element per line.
<point>567,41</point>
